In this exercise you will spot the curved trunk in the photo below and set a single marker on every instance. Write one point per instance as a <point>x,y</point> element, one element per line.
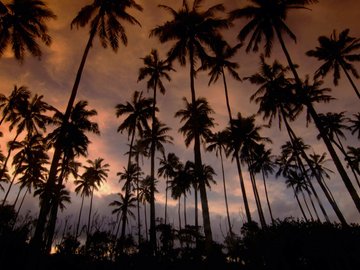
<point>267,196</point>
<point>17,197</point>
<point>345,178</point>
<point>45,205</point>
<point>300,206</point>
<point>9,188</point>
<point>350,80</point>
<point>226,95</point>
<point>225,194</point>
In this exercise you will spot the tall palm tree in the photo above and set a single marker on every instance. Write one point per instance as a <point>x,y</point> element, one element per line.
<point>23,25</point>
<point>353,155</point>
<point>144,196</point>
<point>267,18</point>
<point>337,52</point>
<point>192,30</point>
<point>196,127</point>
<point>74,143</point>
<point>104,18</point>
<point>96,173</point>
<point>155,69</point>
<point>217,143</point>
<point>168,166</point>
<point>277,99</point>
<point>83,187</point>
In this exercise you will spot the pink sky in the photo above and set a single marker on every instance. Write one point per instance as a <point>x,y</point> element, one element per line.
<point>110,78</point>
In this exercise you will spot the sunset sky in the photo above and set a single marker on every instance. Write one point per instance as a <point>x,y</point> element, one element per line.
<point>110,78</point>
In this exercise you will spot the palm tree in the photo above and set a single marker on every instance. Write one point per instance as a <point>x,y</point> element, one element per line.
<point>268,19</point>
<point>217,143</point>
<point>104,19</point>
<point>23,25</point>
<point>263,162</point>
<point>277,99</point>
<point>192,30</point>
<point>198,122</point>
<point>84,187</point>
<point>126,203</point>
<point>74,143</point>
<point>353,155</point>
<point>96,173</point>
<point>144,196</point>
<point>155,69</point>
<point>31,118</point>
<point>337,52</point>
<point>168,166</point>
<point>11,104</point>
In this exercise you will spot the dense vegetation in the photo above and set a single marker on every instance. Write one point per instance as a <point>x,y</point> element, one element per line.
<point>43,155</point>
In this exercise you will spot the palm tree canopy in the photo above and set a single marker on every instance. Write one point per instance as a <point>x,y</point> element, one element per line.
<point>336,51</point>
<point>169,165</point>
<point>130,174</point>
<point>155,69</point>
<point>23,23</point>
<point>10,105</point>
<point>125,203</point>
<point>97,172</point>
<point>333,124</point>
<point>138,111</point>
<point>190,28</point>
<point>197,120</point>
<point>355,124</point>
<point>104,17</point>
<point>266,16</point>
<point>217,142</point>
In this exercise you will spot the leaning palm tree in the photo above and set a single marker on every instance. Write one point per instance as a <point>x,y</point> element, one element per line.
<point>217,143</point>
<point>104,18</point>
<point>155,69</point>
<point>192,30</point>
<point>267,19</point>
<point>338,52</point>
<point>196,128</point>
<point>23,25</point>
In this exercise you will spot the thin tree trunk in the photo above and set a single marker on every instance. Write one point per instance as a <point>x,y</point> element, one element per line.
<point>179,213</point>
<point>166,199</point>
<point>88,231</point>
<point>306,205</point>
<point>79,219</point>
<point>45,205</point>
<point>267,197</point>
<point>185,220</point>
<point>9,188</point>
<point>300,206</point>
<point>21,203</point>
<point>348,184</point>
<point>146,224</point>
<point>350,80</point>
<point>196,207</point>
<point>17,197</point>
<point>225,194</point>
<point>138,210</point>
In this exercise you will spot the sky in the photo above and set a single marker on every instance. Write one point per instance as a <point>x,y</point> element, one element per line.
<point>111,78</point>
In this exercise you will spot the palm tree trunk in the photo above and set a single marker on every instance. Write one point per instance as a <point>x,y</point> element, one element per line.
<point>196,207</point>
<point>45,205</point>
<point>89,218</point>
<point>306,205</point>
<point>198,163</point>
<point>166,199</point>
<point>17,197</point>
<point>267,197</point>
<point>179,212</point>
<point>21,203</point>
<point>185,220</point>
<point>243,190</point>
<point>350,80</point>
<point>225,194</point>
<point>138,210</point>
<point>78,223</point>
<point>152,176</point>
<point>313,206</point>
<point>300,206</point>
<point>322,185</point>
<point>226,95</point>
<point>345,178</point>
<point>146,224</point>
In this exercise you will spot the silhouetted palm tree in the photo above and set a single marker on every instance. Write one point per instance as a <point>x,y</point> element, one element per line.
<point>23,25</point>
<point>263,162</point>
<point>104,19</point>
<point>168,166</point>
<point>196,127</point>
<point>155,69</point>
<point>337,52</point>
<point>144,196</point>
<point>217,143</point>
<point>353,155</point>
<point>267,18</point>
<point>84,187</point>
<point>192,31</point>
<point>96,172</point>
<point>355,124</point>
